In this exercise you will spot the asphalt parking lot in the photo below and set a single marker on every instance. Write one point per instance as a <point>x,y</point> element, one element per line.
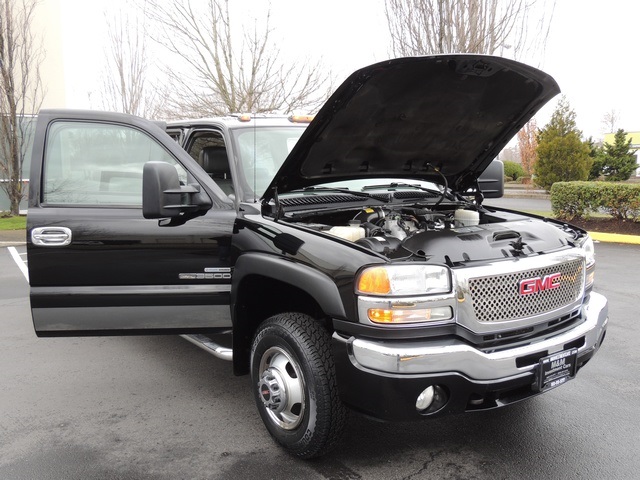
<point>160,408</point>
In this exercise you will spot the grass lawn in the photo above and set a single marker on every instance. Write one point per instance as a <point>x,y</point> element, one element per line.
<point>13,223</point>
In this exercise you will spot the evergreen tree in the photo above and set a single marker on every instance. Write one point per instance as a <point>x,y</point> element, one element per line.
<point>616,162</point>
<point>562,155</point>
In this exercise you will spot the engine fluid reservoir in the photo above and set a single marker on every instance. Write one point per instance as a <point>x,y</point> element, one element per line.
<point>466,218</point>
<point>351,233</point>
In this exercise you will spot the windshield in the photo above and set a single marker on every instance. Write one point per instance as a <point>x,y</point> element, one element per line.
<point>261,152</point>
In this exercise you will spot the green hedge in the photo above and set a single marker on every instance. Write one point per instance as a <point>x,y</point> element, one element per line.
<point>513,170</point>
<point>580,199</point>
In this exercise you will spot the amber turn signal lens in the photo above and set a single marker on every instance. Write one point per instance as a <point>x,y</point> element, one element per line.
<point>375,281</point>
<point>301,118</point>
<point>380,315</point>
<point>410,315</point>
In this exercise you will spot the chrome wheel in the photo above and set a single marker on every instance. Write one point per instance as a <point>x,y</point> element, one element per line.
<point>294,384</point>
<point>281,388</point>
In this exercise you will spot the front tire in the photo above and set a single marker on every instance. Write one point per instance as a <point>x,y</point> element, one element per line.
<point>294,384</point>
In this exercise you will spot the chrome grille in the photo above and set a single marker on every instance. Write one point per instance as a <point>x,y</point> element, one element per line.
<point>497,298</point>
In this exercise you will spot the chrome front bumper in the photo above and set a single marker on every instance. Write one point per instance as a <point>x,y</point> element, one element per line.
<point>431,357</point>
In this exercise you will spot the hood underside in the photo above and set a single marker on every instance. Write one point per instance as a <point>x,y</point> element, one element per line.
<point>412,117</point>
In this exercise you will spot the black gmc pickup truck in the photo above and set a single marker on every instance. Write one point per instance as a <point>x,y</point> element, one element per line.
<point>351,262</point>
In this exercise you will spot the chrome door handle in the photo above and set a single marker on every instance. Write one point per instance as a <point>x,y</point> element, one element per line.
<point>51,236</point>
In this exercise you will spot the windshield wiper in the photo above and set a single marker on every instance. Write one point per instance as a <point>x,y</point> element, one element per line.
<point>402,185</point>
<point>442,194</point>
<point>336,189</point>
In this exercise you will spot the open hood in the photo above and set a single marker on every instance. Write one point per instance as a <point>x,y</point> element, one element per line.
<point>410,117</point>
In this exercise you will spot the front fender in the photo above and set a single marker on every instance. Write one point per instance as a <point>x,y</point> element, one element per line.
<point>318,285</point>
<point>316,293</point>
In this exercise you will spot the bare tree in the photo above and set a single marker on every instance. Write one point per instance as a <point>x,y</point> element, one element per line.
<point>510,154</point>
<point>528,146</point>
<point>611,120</point>
<point>504,27</point>
<point>227,72</point>
<point>126,86</point>
<point>21,92</point>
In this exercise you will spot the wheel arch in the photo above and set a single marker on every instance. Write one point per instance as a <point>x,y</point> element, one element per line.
<point>265,285</point>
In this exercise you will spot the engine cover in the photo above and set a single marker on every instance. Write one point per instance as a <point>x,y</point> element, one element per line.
<point>483,242</point>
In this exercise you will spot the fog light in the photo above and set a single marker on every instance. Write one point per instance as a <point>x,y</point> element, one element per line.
<point>432,399</point>
<point>425,399</point>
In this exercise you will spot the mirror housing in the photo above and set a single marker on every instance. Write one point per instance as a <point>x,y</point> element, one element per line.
<point>162,194</point>
<point>491,181</point>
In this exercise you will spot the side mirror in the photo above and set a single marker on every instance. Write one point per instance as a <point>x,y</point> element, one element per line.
<point>491,181</point>
<point>162,194</point>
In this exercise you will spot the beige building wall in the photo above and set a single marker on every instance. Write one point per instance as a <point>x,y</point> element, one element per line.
<point>48,26</point>
<point>48,23</point>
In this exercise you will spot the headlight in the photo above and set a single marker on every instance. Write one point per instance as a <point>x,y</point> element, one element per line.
<point>399,280</point>
<point>587,246</point>
<point>590,254</point>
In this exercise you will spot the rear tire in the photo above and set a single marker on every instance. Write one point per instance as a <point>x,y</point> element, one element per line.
<point>294,384</point>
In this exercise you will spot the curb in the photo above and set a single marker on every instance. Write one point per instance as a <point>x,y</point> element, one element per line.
<point>526,194</point>
<point>12,237</point>
<point>615,238</point>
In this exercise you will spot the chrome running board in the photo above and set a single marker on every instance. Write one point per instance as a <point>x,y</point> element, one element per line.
<point>210,346</point>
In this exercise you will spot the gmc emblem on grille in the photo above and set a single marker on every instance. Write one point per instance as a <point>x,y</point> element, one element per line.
<point>539,284</point>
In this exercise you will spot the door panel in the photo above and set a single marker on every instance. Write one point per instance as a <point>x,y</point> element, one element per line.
<point>96,265</point>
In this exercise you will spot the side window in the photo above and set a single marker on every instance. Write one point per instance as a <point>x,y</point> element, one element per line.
<point>88,164</point>
<point>208,149</point>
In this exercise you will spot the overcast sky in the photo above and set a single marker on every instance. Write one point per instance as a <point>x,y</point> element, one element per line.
<point>591,52</point>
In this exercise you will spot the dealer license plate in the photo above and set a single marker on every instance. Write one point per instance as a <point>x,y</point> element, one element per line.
<point>557,369</point>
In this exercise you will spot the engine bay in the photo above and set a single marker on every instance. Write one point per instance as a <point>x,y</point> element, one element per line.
<point>445,234</point>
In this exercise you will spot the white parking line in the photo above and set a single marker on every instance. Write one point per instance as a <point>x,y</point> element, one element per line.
<point>21,265</point>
